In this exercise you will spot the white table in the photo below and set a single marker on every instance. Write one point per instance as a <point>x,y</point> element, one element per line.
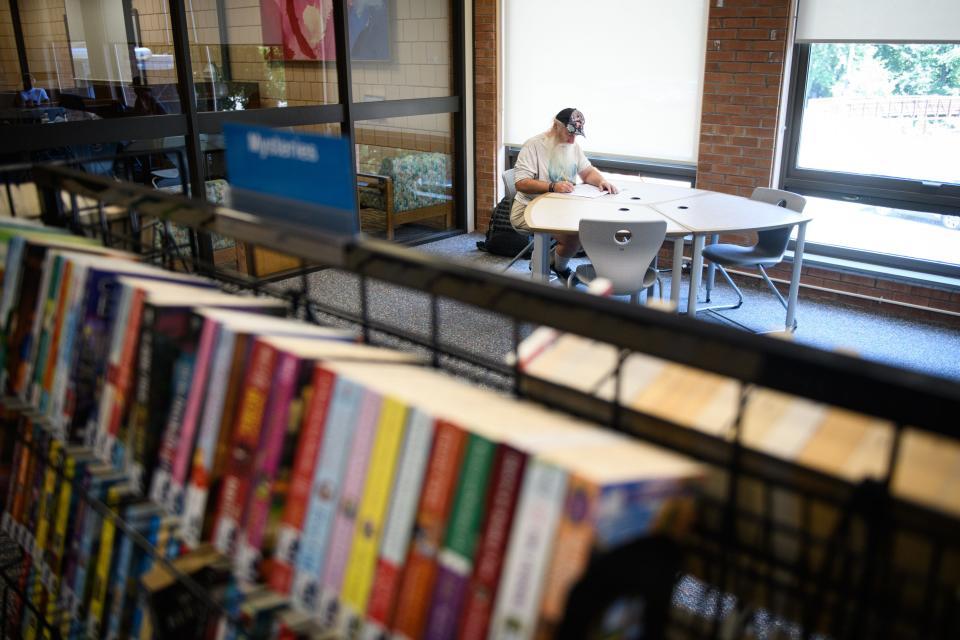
<point>687,212</point>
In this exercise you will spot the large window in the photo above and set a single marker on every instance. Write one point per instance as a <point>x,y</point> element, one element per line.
<point>874,129</point>
<point>634,67</point>
<point>877,127</point>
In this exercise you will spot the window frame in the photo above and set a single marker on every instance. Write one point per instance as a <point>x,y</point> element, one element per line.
<point>900,193</point>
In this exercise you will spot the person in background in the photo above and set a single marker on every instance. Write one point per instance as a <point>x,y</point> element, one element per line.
<point>31,96</point>
<point>146,103</point>
<point>550,163</point>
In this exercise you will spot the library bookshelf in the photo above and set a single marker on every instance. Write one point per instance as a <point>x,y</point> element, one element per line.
<point>788,492</point>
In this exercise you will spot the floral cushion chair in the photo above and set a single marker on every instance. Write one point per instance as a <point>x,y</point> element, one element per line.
<point>411,187</point>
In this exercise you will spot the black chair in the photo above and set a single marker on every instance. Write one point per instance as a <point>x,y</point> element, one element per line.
<point>767,252</point>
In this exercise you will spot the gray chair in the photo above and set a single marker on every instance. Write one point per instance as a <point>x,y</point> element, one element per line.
<point>622,252</point>
<point>767,252</point>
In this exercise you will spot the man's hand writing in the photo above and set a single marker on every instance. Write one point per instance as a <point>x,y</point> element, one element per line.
<point>563,187</point>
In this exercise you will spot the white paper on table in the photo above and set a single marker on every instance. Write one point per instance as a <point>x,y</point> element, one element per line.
<point>585,190</point>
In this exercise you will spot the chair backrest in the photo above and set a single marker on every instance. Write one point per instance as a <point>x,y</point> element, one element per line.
<point>510,183</point>
<point>779,197</point>
<point>773,242</point>
<point>622,251</point>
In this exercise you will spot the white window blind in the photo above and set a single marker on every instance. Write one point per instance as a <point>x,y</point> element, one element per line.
<point>878,21</point>
<point>633,67</point>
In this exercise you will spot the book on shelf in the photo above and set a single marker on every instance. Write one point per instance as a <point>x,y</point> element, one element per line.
<point>198,469</point>
<point>345,512</point>
<point>22,298</point>
<point>447,546</point>
<point>250,434</point>
<point>338,488</point>
<point>158,336</point>
<point>82,360</point>
<point>218,334</point>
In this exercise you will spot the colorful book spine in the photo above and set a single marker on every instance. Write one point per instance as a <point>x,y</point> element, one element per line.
<point>105,555</point>
<point>142,518</point>
<point>371,515</point>
<point>412,469</point>
<point>571,552</point>
<point>246,440</point>
<point>21,486</point>
<point>298,497</point>
<point>47,330</point>
<point>432,514</point>
<point>48,500</point>
<point>139,564</point>
<point>89,549</point>
<point>141,626</point>
<point>201,468</point>
<point>52,395</point>
<point>104,422</point>
<point>324,494</point>
<point>455,561</point>
<point>83,480</point>
<point>184,446</point>
<point>534,528</point>
<point>501,505</point>
<point>267,461</point>
<point>20,454</point>
<point>345,520</point>
<point>50,458</point>
<point>186,387</point>
<point>105,303</point>
<point>75,462</point>
<point>43,319</point>
<point>131,422</point>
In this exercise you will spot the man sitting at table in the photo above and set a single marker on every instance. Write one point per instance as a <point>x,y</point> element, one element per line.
<point>550,163</point>
<point>31,96</point>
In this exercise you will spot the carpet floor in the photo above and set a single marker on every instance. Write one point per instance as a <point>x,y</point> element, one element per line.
<point>928,346</point>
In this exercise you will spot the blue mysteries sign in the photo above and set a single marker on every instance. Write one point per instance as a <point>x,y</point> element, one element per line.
<point>313,170</point>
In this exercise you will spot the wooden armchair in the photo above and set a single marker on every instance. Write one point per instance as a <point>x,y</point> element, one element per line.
<point>409,188</point>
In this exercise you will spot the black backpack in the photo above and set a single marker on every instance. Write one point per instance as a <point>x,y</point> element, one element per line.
<point>502,239</point>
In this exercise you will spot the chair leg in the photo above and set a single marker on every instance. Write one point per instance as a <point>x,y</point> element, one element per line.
<point>736,289</point>
<point>766,278</point>
<point>519,255</point>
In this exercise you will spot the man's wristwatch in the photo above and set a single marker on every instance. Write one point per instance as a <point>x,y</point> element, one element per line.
<point>551,187</point>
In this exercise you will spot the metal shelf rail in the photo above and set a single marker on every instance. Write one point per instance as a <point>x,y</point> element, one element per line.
<point>859,563</point>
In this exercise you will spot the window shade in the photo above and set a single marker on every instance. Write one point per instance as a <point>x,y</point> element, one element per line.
<point>633,67</point>
<point>878,21</point>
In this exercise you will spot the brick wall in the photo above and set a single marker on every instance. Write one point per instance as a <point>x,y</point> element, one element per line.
<point>487,108</point>
<point>746,40</point>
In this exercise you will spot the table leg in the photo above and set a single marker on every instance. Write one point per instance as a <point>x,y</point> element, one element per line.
<point>795,276</point>
<point>695,274</point>
<point>712,269</point>
<point>676,275</point>
<point>540,260</point>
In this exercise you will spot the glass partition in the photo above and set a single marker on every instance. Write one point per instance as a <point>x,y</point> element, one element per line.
<point>88,59</point>
<point>405,175</point>
<point>250,55</point>
<point>400,50</point>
